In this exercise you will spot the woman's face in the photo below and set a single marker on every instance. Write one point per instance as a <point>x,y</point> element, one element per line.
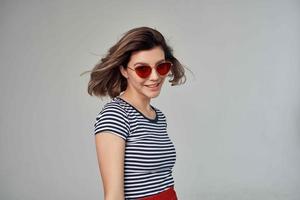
<point>144,87</point>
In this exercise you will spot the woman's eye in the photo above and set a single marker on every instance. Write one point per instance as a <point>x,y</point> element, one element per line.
<point>142,68</point>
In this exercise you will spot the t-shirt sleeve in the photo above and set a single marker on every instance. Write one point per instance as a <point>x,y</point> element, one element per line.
<point>113,119</point>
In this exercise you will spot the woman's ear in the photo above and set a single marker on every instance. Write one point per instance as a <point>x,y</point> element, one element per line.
<point>123,71</point>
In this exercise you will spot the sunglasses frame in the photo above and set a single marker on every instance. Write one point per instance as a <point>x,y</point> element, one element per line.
<point>152,69</point>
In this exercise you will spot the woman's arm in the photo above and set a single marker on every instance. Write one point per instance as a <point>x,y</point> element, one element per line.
<point>110,153</point>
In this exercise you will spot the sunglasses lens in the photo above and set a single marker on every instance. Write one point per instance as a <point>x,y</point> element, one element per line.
<point>143,71</point>
<point>163,68</point>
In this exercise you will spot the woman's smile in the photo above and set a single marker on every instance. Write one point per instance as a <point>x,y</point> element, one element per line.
<point>154,87</point>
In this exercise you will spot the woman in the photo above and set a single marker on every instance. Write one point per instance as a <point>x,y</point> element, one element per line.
<point>134,151</point>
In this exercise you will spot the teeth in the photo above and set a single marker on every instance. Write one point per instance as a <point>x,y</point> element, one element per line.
<point>153,85</point>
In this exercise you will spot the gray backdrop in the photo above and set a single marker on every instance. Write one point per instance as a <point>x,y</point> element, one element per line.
<point>235,123</point>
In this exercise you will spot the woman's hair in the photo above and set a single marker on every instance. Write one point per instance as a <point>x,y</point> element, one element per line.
<point>106,78</point>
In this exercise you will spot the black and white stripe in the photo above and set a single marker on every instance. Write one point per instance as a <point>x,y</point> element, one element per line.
<point>149,155</point>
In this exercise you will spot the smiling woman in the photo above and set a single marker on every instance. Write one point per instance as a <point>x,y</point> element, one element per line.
<point>142,81</point>
<point>134,151</point>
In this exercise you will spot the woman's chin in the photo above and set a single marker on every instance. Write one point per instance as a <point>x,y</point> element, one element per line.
<point>153,94</point>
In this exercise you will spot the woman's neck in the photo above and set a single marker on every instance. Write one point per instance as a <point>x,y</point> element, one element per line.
<point>137,100</point>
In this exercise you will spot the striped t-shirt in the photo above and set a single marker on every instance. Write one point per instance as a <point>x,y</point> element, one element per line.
<point>149,153</point>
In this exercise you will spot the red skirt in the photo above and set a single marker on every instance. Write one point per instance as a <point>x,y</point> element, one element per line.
<point>168,194</point>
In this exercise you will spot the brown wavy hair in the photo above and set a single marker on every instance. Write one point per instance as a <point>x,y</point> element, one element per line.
<point>106,78</point>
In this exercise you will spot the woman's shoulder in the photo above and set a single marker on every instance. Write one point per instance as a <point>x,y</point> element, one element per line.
<point>112,109</point>
<point>113,118</point>
<point>114,105</point>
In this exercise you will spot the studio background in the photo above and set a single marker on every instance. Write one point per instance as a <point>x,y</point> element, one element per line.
<point>235,123</point>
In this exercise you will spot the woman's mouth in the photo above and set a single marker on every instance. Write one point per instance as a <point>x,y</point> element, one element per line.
<point>153,86</point>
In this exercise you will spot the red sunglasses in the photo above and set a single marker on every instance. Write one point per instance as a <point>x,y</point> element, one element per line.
<point>144,71</point>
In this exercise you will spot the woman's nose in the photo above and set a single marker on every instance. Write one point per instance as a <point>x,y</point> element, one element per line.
<point>154,75</point>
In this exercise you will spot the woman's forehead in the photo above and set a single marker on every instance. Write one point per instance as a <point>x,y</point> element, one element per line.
<point>151,56</point>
